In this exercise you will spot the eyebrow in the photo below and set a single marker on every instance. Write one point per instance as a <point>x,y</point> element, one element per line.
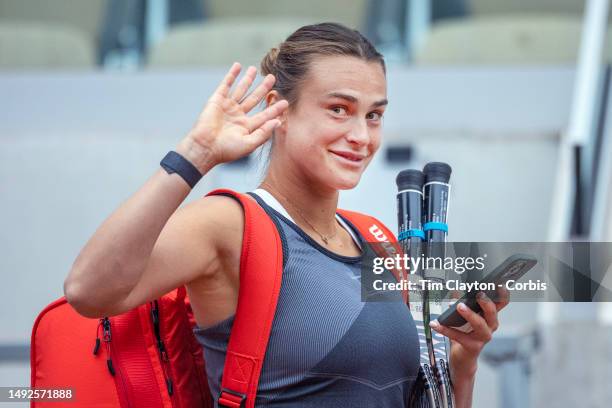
<point>352,99</point>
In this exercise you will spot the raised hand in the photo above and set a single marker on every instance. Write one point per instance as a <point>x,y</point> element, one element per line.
<point>223,131</point>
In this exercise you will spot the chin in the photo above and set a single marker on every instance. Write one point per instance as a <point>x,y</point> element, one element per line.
<point>343,178</point>
<point>348,182</point>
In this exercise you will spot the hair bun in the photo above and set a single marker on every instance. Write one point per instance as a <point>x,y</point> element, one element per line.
<point>268,63</point>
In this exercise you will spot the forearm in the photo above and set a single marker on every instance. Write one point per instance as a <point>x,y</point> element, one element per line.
<point>463,387</point>
<point>111,263</point>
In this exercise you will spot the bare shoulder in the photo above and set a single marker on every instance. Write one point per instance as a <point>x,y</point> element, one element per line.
<point>220,219</point>
<point>213,209</point>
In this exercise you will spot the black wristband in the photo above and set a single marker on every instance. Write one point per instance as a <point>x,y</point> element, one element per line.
<point>175,163</point>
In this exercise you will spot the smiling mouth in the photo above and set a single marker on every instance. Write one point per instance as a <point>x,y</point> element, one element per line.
<point>349,157</point>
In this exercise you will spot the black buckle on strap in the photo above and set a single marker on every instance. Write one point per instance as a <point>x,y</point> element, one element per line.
<point>232,399</point>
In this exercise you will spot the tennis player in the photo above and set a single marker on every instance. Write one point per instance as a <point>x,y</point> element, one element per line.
<point>325,94</point>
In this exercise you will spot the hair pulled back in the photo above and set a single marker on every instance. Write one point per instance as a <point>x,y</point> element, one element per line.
<point>289,61</point>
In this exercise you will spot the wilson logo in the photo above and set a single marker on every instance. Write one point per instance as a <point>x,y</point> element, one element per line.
<point>381,237</point>
<point>378,233</point>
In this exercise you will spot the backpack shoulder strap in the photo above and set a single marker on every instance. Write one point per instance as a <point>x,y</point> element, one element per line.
<point>373,230</point>
<point>261,268</point>
<point>378,236</point>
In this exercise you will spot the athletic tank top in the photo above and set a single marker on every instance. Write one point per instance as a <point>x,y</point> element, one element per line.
<point>327,348</point>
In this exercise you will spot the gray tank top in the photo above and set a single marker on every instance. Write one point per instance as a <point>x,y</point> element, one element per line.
<point>327,348</point>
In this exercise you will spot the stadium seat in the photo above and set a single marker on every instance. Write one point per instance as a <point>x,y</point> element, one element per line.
<point>349,12</point>
<point>83,15</point>
<point>511,39</point>
<point>504,7</point>
<point>43,46</point>
<point>221,42</point>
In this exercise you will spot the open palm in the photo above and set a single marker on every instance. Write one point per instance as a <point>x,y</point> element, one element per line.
<point>224,126</point>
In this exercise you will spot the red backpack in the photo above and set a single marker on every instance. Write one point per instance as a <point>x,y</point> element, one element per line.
<point>149,356</point>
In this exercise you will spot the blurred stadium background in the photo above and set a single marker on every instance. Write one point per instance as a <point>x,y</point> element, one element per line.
<point>513,94</point>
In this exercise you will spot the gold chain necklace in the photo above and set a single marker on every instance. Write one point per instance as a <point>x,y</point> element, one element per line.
<point>325,238</point>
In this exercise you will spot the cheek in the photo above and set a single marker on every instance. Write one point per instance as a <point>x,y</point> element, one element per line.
<point>315,137</point>
<point>376,138</point>
<point>375,141</point>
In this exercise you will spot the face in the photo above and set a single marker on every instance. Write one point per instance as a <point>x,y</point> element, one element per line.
<point>331,133</point>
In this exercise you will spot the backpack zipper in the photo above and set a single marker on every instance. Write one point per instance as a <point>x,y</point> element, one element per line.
<point>105,324</point>
<point>106,336</point>
<point>161,347</point>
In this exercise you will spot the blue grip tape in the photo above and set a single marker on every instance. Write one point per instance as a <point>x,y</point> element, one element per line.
<point>439,226</point>
<point>411,233</point>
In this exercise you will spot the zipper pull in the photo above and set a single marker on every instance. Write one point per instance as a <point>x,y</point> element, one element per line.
<point>97,345</point>
<point>106,327</point>
<point>155,318</point>
<point>170,386</point>
<point>109,364</point>
<point>161,347</point>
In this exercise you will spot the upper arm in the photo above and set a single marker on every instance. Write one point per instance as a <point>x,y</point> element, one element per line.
<point>192,245</point>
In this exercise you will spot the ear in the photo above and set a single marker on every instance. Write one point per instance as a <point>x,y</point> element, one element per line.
<point>271,98</point>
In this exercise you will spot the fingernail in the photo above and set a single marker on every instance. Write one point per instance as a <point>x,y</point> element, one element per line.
<point>461,306</point>
<point>434,324</point>
<point>480,295</point>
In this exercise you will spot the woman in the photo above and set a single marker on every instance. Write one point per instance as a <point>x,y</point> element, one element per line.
<point>325,91</point>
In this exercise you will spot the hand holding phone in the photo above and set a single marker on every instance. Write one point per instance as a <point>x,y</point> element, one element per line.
<point>512,268</point>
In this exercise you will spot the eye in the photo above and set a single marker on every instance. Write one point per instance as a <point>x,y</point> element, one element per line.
<point>339,110</point>
<point>374,115</point>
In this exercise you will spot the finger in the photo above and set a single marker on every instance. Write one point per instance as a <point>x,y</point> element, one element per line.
<point>244,84</point>
<point>489,310</point>
<point>228,80</point>
<point>257,95</point>
<point>263,133</point>
<point>271,112</point>
<point>502,298</point>
<point>451,333</point>
<point>478,323</point>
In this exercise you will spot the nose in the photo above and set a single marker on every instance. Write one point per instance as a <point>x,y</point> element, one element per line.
<point>358,133</point>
